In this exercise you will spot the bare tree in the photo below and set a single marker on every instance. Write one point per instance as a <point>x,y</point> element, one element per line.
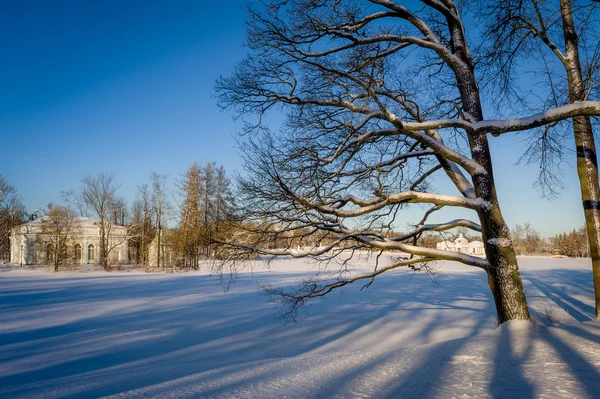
<point>215,205</point>
<point>119,211</point>
<point>74,200</point>
<point>12,213</point>
<point>207,204</point>
<point>376,94</point>
<point>99,193</point>
<point>527,240</point>
<point>141,224</point>
<point>534,29</point>
<point>190,223</point>
<point>223,205</point>
<point>58,229</point>
<point>161,209</point>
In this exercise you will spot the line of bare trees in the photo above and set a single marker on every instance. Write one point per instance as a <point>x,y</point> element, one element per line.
<point>182,235</point>
<point>186,233</point>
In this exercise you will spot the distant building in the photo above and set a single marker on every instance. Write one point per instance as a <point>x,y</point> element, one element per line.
<point>28,247</point>
<point>461,244</point>
<point>167,252</point>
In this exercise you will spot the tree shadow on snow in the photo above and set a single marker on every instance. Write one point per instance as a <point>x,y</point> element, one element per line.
<point>175,330</point>
<point>561,286</point>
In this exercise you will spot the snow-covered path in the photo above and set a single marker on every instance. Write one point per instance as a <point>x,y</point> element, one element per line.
<point>94,335</point>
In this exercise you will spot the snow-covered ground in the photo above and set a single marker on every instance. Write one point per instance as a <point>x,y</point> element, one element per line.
<point>128,334</point>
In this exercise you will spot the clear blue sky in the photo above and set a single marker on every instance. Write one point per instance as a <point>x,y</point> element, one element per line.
<point>126,87</point>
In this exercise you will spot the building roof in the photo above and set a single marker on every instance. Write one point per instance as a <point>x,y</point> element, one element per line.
<point>80,221</point>
<point>462,242</point>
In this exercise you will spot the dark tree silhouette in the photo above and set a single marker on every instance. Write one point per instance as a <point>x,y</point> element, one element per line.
<point>376,94</point>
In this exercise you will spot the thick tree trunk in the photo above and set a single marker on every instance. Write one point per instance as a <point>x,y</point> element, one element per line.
<point>587,163</point>
<point>587,170</point>
<point>504,277</point>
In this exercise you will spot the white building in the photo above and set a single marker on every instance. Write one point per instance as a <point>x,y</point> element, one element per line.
<point>461,244</point>
<point>167,252</point>
<point>28,247</point>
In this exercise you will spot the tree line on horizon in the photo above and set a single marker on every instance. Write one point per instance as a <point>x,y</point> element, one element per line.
<point>528,241</point>
<point>187,220</point>
<point>204,216</point>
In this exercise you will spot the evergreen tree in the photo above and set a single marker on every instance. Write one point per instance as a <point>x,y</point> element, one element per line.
<point>205,211</point>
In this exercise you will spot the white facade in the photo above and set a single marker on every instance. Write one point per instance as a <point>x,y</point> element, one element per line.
<point>167,253</point>
<point>27,244</point>
<point>461,244</point>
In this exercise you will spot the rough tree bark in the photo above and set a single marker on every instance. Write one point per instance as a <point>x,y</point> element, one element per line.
<point>587,163</point>
<point>504,277</point>
<point>525,30</point>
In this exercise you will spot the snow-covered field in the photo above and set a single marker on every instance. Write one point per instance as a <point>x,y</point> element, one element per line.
<point>127,334</point>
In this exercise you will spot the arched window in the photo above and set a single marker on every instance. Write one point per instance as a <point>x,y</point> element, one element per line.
<point>91,253</point>
<point>78,254</point>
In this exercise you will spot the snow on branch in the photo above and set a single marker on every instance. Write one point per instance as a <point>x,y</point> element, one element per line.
<point>341,238</point>
<point>577,108</point>
<point>366,206</point>
<point>437,254</point>
<point>500,126</point>
<point>439,227</point>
